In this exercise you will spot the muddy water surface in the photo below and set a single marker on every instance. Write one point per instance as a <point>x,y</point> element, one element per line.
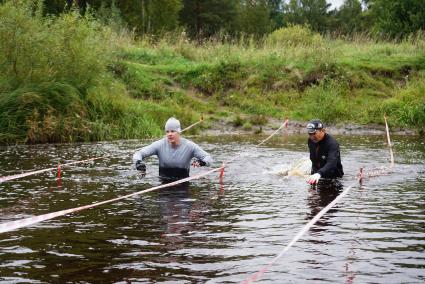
<point>212,232</point>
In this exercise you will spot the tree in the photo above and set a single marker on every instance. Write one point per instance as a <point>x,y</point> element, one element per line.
<point>163,15</point>
<point>81,4</point>
<point>204,18</point>
<point>276,13</point>
<point>54,6</point>
<point>398,18</point>
<point>311,12</point>
<point>146,16</point>
<point>254,18</point>
<point>349,17</point>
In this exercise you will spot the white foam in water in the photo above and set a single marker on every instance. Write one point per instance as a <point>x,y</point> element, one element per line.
<point>300,167</point>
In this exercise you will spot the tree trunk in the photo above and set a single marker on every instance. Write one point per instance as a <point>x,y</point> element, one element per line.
<point>198,19</point>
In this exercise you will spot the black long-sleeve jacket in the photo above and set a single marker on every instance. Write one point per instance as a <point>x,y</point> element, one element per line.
<point>325,157</point>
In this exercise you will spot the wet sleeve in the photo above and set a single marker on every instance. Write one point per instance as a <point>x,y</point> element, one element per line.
<point>202,155</point>
<point>147,151</point>
<point>332,160</point>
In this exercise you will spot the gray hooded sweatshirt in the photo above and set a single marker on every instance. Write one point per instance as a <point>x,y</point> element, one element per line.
<point>174,162</point>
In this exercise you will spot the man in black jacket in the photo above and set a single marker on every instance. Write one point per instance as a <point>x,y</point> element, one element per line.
<point>324,153</point>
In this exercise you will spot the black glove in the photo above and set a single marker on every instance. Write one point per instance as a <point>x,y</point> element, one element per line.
<point>201,163</point>
<point>140,166</point>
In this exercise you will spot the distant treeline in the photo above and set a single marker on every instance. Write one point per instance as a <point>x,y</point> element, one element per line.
<point>206,18</point>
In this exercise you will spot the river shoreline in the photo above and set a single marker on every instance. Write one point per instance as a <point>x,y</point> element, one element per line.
<point>226,128</point>
<point>298,127</point>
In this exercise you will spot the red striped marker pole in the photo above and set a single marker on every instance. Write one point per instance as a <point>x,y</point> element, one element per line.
<point>59,171</point>
<point>389,142</point>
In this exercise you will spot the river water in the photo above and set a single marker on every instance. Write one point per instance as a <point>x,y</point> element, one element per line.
<point>211,231</point>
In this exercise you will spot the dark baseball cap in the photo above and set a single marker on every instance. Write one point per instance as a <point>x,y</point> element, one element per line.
<point>313,125</point>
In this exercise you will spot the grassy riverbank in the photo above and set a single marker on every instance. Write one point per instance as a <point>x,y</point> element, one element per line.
<point>70,78</point>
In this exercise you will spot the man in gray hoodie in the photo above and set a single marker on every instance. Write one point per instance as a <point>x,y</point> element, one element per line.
<point>174,153</point>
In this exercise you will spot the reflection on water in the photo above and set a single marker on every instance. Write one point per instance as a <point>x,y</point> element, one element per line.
<point>212,231</point>
<point>175,206</point>
<point>319,196</point>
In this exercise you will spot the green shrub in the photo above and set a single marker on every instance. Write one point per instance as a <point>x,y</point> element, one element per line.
<point>407,108</point>
<point>294,35</point>
<point>145,83</point>
<point>47,66</point>
<point>33,49</point>
<point>219,77</point>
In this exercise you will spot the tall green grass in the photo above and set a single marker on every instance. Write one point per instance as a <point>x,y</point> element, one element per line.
<point>408,104</point>
<point>297,73</point>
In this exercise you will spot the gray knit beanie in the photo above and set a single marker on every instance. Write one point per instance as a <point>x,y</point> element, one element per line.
<point>172,124</point>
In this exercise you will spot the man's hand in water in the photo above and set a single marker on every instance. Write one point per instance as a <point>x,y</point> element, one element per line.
<point>314,179</point>
<point>140,166</point>
<point>198,163</point>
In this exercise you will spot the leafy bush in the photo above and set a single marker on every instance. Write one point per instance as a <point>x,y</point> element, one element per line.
<point>219,77</point>
<point>294,35</point>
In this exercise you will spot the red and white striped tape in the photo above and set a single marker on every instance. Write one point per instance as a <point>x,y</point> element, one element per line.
<point>11,177</point>
<point>319,215</point>
<point>13,225</point>
<point>285,123</point>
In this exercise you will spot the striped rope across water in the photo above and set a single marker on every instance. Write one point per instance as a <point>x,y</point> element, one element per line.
<point>14,225</point>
